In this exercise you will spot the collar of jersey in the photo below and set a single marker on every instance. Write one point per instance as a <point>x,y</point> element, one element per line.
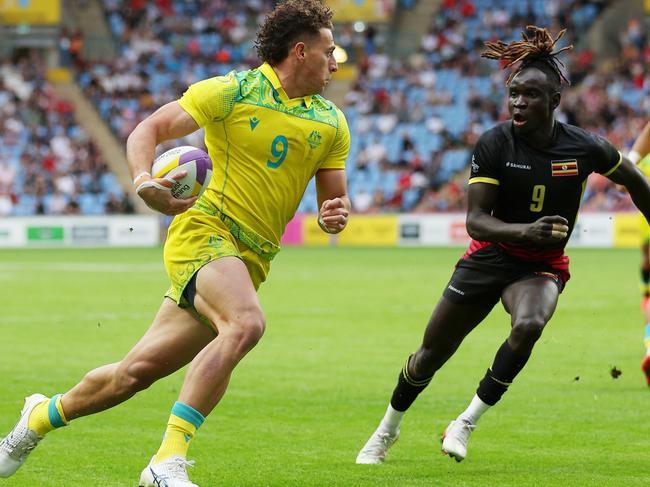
<point>269,74</point>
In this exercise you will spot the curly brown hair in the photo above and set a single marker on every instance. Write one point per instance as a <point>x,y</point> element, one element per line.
<point>290,20</point>
<point>535,50</point>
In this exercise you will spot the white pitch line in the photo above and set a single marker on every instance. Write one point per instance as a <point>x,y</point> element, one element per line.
<point>109,267</point>
<point>65,318</point>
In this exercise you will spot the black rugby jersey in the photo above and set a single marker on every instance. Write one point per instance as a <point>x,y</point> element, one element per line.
<point>540,182</point>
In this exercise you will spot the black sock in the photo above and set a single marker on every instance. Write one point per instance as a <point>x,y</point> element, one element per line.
<point>407,389</point>
<point>507,364</point>
<point>645,279</point>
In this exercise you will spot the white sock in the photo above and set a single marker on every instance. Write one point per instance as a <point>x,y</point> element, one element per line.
<point>391,421</point>
<point>474,411</point>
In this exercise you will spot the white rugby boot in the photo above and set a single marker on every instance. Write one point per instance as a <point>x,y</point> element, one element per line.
<point>376,448</point>
<point>19,443</point>
<point>455,438</point>
<point>169,473</point>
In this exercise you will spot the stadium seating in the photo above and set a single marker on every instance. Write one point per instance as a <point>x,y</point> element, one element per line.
<point>452,95</point>
<point>441,99</point>
<point>47,163</point>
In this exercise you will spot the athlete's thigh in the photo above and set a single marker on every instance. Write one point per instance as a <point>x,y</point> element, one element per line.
<point>225,292</point>
<point>195,238</point>
<point>450,322</point>
<point>535,298</point>
<point>172,341</point>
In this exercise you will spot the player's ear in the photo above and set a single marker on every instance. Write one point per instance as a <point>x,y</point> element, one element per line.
<point>299,50</point>
<point>555,99</point>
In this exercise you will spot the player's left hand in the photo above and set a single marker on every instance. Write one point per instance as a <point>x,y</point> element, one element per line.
<point>333,215</point>
<point>157,194</point>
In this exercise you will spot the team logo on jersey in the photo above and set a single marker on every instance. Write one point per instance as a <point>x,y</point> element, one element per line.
<point>474,164</point>
<point>254,121</point>
<point>566,167</point>
<point>314,139</point>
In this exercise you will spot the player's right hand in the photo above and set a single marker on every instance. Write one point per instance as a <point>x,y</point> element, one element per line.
<point>157,194</point>
<point>548,230</point>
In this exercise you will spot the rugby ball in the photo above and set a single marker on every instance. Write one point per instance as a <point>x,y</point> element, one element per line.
<point>195,161</point>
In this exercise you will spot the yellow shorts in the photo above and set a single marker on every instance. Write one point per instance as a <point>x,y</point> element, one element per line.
<point>195,238</point>
<point>644,230</point>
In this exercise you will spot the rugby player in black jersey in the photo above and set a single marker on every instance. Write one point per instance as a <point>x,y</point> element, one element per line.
<point>640,155</point>
<point>526,181</point>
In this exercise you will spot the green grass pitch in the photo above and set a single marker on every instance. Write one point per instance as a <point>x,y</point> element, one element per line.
<point>341,321</point>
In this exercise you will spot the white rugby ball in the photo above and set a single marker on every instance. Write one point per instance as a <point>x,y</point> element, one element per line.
<point>195,161</point>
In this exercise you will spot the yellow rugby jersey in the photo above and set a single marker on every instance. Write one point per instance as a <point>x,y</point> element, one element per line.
<point>264,146</point>
<point>644,165</point>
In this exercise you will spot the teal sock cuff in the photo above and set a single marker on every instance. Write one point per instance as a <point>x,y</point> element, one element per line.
<point>647,331</point>
<point>53,413</point>
<point>188,413</point>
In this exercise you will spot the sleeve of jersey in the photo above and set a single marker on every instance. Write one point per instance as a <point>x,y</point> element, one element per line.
<point>210,100</point>
<point>483,166</point>
<point>340,147</point>
<point>606,157</point>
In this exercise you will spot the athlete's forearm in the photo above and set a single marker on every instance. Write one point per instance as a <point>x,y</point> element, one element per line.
<point>140,149</point>
<point>641,146</point>
<point>487,228</point>
<point>629,176</point>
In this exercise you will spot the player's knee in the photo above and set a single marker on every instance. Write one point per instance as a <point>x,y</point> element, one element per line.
<point>526,331</point>
<point>424,363</point>
<point>248,329</point>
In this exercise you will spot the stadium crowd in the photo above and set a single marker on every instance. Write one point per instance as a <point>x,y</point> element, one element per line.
<point>413,121</point>
<point>443,97</point>
<point>165,46</point>
<point>48,164</point>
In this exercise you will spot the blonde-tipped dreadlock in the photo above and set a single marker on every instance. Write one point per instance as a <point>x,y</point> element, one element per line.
<point>536,47</point>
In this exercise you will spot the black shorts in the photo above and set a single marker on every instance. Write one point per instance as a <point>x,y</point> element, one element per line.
<point>481,277</point>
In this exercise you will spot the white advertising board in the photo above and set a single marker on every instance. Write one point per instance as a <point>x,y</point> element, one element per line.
<point>448,229</point>
<point>80,231</point>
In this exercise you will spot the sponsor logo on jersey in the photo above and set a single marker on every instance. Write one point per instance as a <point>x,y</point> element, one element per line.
<point>567,167</point>
<point>254,121</point>
<point>518,165</point>
<point>462,293</point>
<point>314,139</point>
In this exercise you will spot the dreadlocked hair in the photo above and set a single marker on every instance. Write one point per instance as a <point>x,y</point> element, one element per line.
<point>535,50</point>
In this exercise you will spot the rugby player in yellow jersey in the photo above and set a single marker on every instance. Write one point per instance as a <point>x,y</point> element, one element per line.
<point>268,132</point>
<point>640,155</point>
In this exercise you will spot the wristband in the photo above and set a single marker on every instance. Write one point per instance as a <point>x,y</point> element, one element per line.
<point>151,184</point>
<point>634,156</point>
<point>143,173</point>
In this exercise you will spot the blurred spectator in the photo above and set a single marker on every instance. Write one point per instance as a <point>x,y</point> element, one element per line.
<point>47,161</point>
<point>7,175</point>
<point>362,201</point>
<point>6,203</point>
